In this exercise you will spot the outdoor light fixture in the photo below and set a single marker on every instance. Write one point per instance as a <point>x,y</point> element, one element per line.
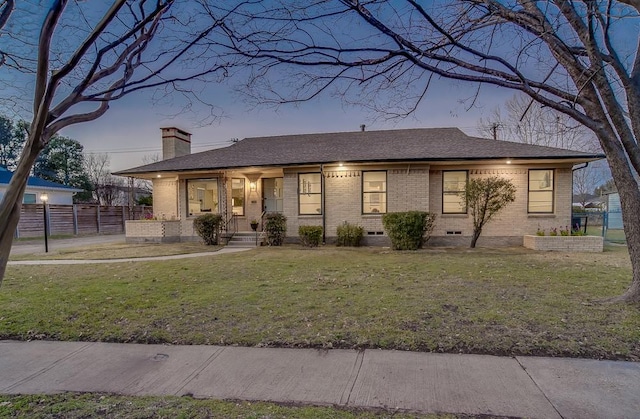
<point>508,161</point>
<point>252,186</point>
<point>44,198</point>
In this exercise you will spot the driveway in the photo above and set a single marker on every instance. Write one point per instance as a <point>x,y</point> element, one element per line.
<point>37,245</point>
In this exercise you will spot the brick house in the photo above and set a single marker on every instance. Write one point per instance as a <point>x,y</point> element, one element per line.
<point>332,178</point>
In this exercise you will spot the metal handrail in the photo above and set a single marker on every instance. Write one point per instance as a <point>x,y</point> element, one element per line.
<point>262,219</point>
<point>233,222</point>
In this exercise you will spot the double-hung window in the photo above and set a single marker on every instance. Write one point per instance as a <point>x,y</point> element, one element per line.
<point>454,183</point>
<point>309,193</point>
<point>374,192</point>
<point>541,191</point>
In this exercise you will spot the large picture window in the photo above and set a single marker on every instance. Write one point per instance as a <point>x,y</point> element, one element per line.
<point>237,196</point>
<point>202,196</point>
<point>374,192</point>
<point>454,184</point>
<point>310,193</point>
<point>540,191</point>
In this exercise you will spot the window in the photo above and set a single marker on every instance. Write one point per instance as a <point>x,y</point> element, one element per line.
<point>374,192</point>
<point>202,196</point>
<point>454,184</point>
<point>29,198</point>
<point>237,196</point>
<point>541,191</point>
<point>310,193</point>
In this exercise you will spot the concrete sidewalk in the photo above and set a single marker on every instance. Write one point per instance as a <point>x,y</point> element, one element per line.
<point>447,383</point>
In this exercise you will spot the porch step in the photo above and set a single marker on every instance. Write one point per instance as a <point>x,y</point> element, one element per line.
<point>246,239</point>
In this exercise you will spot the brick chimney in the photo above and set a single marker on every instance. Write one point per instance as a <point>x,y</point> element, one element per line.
<point>175,143</point>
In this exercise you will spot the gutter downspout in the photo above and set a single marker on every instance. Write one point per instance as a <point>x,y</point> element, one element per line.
<point>324,219</point>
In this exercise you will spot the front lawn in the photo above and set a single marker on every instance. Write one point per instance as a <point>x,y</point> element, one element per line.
<point>503,302</point>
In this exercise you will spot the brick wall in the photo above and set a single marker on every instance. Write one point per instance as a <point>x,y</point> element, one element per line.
<point>564,243</point>
<point>513,221</point>
<point>152,231</point>
<point>165,198</point>
<point>409,187</point>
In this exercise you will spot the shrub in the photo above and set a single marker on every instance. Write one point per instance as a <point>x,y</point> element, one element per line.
<point>349,235</point>
<point>208,227</point>
<point>275,225</point>
<point>310,236</point>
<point>408,230</point>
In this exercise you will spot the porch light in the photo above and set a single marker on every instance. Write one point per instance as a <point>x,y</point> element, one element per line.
<point>508,161</point>
<point>252,186</point>
<point>159,176</point>
<point>44,198</point>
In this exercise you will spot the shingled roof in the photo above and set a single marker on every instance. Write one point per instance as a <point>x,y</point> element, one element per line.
<point>425,144</point>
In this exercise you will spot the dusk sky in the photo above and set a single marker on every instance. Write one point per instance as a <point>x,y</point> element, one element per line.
<point>131,128</point>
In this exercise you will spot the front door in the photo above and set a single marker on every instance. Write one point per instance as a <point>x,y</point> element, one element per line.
<point>272,194</point>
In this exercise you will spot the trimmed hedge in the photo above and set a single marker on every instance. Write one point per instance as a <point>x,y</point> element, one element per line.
<point>310,236</point>
<point>349,235</point>
<point>408,230</point>
<point>208,228</point>
<point>275,226</point>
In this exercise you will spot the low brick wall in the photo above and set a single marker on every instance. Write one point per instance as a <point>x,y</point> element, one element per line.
<point>155,231</point>
<point>564,243</point>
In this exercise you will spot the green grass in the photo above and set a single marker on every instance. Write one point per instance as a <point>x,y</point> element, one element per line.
<point>70,405</point>
<point>503,302</point>
<point>615,236</point>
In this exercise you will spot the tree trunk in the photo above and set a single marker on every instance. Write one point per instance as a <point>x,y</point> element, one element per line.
<point>474,238</point>
<point>629,191</point>
<point>630,201</point>
<point>12,202</point>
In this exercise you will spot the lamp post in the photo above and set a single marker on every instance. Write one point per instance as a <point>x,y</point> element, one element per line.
<point>44,198</point>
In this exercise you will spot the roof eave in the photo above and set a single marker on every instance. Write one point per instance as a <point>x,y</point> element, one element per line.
<point>566,158</point>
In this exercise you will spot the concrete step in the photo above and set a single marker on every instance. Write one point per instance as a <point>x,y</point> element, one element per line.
<point>246,239</point>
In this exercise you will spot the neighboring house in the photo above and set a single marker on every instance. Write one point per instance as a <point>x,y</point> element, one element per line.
<point>355,177</point>
<point>57,193</point>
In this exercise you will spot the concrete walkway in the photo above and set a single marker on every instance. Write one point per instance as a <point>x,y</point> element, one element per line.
<point>141,259</point>
<point>35,247</point>
<point>448,383</point>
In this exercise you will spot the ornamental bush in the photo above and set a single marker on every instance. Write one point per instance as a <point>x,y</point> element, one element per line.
<point>349,235</point>
<point>275,226</point>
<point>310,236</point>
<point>208,227</point>
<point>408,230</point>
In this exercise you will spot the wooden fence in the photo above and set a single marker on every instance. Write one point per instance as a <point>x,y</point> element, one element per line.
<point>76,219</point>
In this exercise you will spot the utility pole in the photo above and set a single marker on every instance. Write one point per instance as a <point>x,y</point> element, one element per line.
<point>494,129</point>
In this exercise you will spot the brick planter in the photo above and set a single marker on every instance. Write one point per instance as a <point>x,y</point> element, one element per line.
<point>156,231</point>
<point>564,243</point>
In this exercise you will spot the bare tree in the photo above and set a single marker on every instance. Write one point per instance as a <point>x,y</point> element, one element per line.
<point>528,122</point>
<point>579,58</point>
<point>106,188</point>
<point>486,197</point>
<point>585,181</point>
<point>89,54</point>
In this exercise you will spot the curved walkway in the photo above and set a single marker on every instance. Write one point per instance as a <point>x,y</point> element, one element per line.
<point>224,250</point>
<point>37,247</point>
